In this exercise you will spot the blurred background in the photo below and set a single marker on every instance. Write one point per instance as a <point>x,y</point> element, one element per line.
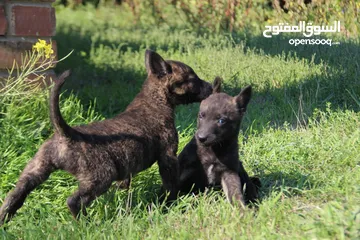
<point>231,15</point>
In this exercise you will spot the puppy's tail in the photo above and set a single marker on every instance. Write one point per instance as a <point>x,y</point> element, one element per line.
<point>56,118</point>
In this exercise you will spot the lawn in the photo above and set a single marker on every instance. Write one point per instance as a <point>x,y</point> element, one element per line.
<point>301,134</point>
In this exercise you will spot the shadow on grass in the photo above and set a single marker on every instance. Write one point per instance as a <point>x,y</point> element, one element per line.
<point>112,89</point>
<point>339,84</point>
<point>292,184</point>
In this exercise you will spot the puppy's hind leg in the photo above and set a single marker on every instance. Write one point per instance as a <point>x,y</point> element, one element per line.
<point>89,189</point>
<point>231,184</point>
<point>35,173</point>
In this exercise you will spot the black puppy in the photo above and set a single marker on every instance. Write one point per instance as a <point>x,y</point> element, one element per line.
<point>212,157</point>
<point>114,149</point>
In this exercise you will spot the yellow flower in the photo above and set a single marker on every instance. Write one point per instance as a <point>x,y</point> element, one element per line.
<point>41,44</point>
<point>48,51</point>
<point>43,48</point>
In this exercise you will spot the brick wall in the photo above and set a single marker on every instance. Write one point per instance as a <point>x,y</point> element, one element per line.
<point>22,23</point>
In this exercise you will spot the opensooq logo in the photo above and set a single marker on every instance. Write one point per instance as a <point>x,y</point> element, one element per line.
<point>307,29</point>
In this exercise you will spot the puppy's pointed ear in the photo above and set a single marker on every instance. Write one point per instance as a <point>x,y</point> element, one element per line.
<point>243,98</point>
<point>217,85</point>
<point>156,65</point>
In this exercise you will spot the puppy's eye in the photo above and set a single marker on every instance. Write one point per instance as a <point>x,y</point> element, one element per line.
<point>201,115</point>
<point>222,121</point>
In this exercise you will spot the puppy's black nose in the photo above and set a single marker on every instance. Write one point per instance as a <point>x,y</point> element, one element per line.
<point>202,138</point>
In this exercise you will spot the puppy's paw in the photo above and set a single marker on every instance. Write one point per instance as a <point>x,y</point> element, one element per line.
<point>252,189</point>
<point>256,181</point>
<point>167,197</point>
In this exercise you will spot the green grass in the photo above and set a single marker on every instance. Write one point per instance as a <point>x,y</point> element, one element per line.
<point>301,134</point>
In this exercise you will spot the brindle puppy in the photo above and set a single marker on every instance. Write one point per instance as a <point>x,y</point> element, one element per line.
<point>114,149</point>
<point>212,157</point>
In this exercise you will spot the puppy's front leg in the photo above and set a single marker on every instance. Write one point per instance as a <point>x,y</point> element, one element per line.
<point>169,171</point>
<point>231,184</point>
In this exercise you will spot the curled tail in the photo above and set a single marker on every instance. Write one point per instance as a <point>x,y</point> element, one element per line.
<point>57,120</point>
